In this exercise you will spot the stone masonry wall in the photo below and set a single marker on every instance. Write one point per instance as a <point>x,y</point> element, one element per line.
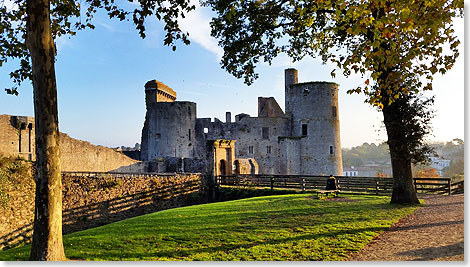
<point>77,155</point>
<point>93,201</point>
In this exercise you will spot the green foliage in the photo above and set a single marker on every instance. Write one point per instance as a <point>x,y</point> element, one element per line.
<point>456,168</point>
<point>415,114</point>
<point>109,182</point>
<point>70,16</point>
<point>396,46</point>
<point>392,44</point>
<point>359,155</point>
<point>287,227</point>
<point>232,193</point>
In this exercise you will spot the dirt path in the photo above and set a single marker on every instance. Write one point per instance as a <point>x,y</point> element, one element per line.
<point>433,232</point>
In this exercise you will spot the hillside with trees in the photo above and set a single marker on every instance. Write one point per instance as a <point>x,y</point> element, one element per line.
<point>379,155</point>
<point>358,156</point>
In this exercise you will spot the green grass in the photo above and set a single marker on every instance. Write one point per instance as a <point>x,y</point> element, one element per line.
<point>295,227</point>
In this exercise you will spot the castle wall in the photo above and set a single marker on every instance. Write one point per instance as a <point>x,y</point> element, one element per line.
<point>169,130</point>
<point>156,91</point>
<point>93,201</point>
<point>268,107</point>
<point>314,111</point>
<point>258,138</point>
<point>290,155</point>
<point>246,166</point>
<point>75,155</point>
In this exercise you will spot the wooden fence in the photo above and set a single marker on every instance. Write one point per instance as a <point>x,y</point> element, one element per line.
<point>367,185</point>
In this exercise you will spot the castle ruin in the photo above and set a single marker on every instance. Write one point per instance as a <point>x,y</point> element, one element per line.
<point>305,139</point>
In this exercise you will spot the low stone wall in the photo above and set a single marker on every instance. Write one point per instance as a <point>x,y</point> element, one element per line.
<point>16,207</point>
<point>93,201</point>
<point>77,155</point>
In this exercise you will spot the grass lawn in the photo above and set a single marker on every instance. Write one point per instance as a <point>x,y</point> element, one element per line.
<point>295,227</point>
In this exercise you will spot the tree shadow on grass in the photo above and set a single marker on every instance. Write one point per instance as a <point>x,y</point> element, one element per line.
<point>424,225</point>
<point>181,254</point>
<point>435,253</point>
<point>275,220</point>
<point>445,204</point>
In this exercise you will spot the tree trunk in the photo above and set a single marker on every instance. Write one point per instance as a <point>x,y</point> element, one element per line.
<point>47,236</point>
<point>403,188</point>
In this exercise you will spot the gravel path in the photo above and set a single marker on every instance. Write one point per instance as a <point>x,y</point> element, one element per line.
<point>434,232</point>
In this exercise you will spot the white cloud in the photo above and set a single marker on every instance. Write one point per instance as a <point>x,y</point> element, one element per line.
<point>196,23</point>
<point>9,4</point>
<point>108,27</point>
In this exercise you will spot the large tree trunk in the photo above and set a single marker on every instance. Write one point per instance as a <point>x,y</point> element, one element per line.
<point>403,188</point>
<point>47,236</point>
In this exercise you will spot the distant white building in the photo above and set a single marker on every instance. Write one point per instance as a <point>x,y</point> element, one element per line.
<point>439,164</point>
<point>350,171</point>
<point>367,171</point>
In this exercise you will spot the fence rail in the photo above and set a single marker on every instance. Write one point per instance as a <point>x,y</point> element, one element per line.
<point>368,185</point>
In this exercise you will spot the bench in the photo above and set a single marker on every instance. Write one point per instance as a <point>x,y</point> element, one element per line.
<point>326,192</point>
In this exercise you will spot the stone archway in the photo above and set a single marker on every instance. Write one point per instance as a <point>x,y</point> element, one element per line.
<point>222,167</point>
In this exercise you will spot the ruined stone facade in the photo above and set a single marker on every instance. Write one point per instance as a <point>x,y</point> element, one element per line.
<point>17,136</point>
<point>305,139</point>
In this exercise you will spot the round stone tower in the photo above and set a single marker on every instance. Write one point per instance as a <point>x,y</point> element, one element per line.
<point>169,128</point>
<point>313,111</point>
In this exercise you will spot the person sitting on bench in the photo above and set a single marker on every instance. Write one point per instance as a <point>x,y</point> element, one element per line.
<point>331,183</point>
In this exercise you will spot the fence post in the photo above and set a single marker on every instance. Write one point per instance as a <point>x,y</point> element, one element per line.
<point>271,181</point>
<point>376,187</point>
<point>416,189</point>
<point>449,185</point>
<point>303,185</point>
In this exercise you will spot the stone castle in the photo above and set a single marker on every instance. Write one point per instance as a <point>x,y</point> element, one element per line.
<point>303,139</point>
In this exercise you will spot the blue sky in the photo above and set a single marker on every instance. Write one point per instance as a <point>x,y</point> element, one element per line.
<point>101,75</point>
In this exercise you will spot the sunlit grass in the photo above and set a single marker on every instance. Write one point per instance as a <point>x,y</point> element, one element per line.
<point>288,227</point>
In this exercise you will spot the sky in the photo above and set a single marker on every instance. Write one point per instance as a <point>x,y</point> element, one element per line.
<point>101,75</point>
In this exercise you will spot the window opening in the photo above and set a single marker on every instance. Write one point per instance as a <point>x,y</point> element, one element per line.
<point>304,129</point>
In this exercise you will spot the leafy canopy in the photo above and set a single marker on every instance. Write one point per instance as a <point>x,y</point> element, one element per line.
<point>70,16</point>
<point>393,44</point>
